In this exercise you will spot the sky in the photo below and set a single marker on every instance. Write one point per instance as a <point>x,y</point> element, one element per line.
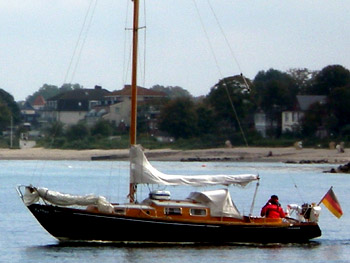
<point>187,43</point>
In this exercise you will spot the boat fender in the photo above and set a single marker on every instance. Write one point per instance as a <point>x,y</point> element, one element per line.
<point>315,213</point>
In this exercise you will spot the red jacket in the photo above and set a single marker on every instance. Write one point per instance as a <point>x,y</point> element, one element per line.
<point>272,211</point>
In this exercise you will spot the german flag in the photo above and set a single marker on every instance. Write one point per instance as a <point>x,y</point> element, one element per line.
<point>331,202</point>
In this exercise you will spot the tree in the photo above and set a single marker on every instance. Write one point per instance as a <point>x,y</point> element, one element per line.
<point>172,92</point>
<point>274,92</point>
<point>8,108</point>
<point>102,128</point>
<point>5,116</point>
<point>206,123</point>
<point>77,132</point>
<point>231,103</point>
<point>338,101</point>
<point>179,118</point>
<point>329,78</point>
<point>315,117</point>
<point>303,78</point>
<point>55,129</point>
<point>48,91</point>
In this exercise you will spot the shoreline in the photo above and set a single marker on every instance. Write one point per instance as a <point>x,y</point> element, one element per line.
<point>253,154</point>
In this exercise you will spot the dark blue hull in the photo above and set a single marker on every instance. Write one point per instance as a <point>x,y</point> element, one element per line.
<point>68,224</point>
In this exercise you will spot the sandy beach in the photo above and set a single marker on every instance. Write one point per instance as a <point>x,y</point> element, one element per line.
<point>256,154</point>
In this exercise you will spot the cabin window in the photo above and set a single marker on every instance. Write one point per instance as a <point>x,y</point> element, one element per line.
<point>119,211</point>
<point>172,211</point>
<point>198,212</point>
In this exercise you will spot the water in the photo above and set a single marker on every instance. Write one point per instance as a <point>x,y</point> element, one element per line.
<point>23,240</point>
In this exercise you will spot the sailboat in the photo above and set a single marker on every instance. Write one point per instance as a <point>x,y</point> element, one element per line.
<point>203,217</point>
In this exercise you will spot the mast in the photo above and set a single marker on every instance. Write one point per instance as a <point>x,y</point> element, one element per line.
<point>133,120</point>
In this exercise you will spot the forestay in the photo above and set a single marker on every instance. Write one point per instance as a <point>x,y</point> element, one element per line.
<point>142,172</point>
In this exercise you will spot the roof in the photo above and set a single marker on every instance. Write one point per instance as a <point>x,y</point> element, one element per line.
<point>305,101</point>
<point>81,94</point>
<point>39,101</point>
<point>25,106</point>
<point>126,91</point>
<point>78,99</point>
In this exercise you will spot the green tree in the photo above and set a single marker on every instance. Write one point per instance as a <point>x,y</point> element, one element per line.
<point>48,91</point>
<point>329,78</point>
<point>55,129</point>
<point>274,92</point>
<point>338,101</point>
<point>231,103</point>
<point>172,92</point>
<point>5,116</point>
<point>77,132</point>
<point>303,79</point>
<point>8,108</point>
<point>178,118</point>
<point>315,117</point>
<point>102,128</point>
<point>206,123</point>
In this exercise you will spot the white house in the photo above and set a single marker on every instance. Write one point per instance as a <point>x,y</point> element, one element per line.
<point>291,120</point>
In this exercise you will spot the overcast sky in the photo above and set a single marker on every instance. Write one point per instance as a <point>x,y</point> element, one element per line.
<point>38,39</point>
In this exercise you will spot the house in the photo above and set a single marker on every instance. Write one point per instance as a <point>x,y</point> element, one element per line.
<point>39,103</point>
<point>143,94</point>
<point>72,106</point>
<point>291,120</point>
<point>119,113</point>
<point>120,110</point>
<point>263,124</point>
<point>29,115</point>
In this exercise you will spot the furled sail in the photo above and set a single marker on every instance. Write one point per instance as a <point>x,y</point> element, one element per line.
<point>33,194</point>
<point>142,172</point>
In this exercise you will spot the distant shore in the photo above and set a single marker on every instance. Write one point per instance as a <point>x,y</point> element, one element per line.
<point>254,154</point>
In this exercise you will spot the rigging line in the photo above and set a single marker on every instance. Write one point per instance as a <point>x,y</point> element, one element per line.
<point>84,41</point>
<point>294,183</point>
<point>144,44</point>
<point>235,112</point>
<point>127,57</point>
<point>207,37</point>
<point>228,44</point>
<point>220,72</point>
<point>77,42</point>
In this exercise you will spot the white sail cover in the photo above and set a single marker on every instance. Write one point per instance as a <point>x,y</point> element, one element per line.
<point>142,172</point>
<point>219,201</point>
<point>32,196</point>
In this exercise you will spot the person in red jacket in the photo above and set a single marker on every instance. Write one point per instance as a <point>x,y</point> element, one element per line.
<point>273,208</point>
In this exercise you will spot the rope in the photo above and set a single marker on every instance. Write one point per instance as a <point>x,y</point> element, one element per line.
<point>86,28</point>
<point>218,67</point>
<point>228,44</point>
<point>77,42</point>
<point>294,183</point>
<point>127,57</point>
<point>84,40</point>
<point>235,112</point>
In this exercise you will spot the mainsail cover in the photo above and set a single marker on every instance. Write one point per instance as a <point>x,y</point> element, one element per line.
<point>142,172</point>
<point>219,201</point>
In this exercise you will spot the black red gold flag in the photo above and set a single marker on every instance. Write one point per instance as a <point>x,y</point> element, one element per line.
<point>331,202</point>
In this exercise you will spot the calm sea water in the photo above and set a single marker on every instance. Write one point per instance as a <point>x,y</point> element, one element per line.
<point>23,240</point>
